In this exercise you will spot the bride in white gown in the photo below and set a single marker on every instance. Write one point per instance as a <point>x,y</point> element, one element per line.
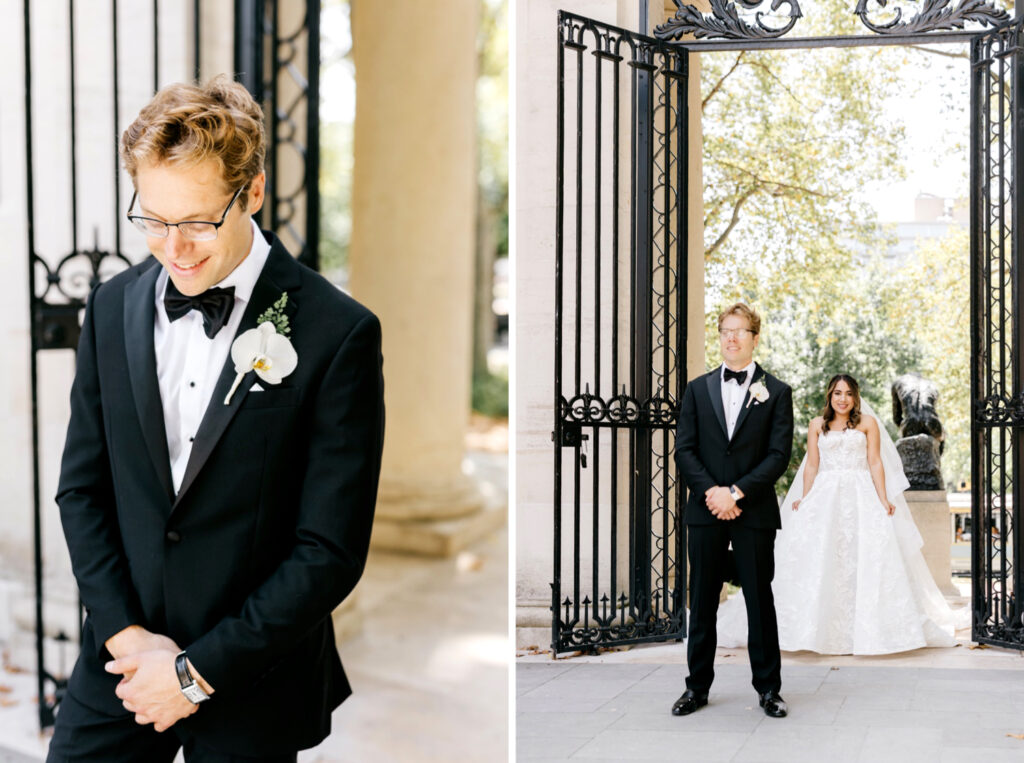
<point>849,574</point>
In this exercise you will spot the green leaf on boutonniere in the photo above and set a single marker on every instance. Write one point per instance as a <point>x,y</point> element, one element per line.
<point>275,314</point>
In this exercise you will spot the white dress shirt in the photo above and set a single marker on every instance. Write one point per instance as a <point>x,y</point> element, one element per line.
<point>733,395</point>
<point>188,363</point>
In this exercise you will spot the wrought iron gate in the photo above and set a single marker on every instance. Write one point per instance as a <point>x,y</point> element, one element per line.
<point>61,273</point>
<point>625,366</point>
<point>997,335</point>
<point>620,324</point>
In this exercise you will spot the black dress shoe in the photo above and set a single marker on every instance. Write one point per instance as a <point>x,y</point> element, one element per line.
<point>690,702</point>
<point>774,706</point>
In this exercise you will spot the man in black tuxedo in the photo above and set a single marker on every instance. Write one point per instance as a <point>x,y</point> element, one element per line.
<point>734,440</point>
<point>218,482</point>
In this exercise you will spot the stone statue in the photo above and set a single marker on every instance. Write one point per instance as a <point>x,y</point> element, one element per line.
<point>921,437</point>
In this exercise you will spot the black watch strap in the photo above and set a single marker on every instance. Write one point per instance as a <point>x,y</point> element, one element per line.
<point>181,668</point>
<point>189,687</point>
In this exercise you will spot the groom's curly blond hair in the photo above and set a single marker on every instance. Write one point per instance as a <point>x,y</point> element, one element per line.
<point>745,310</point>
<point>187,124</point>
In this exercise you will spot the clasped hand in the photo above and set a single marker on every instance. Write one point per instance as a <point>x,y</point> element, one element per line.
<point>721,504</point>
<point>149,687</point>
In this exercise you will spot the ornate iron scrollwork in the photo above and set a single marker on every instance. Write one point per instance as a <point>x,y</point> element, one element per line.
<point>623,410</point>
<point>1000,410</point>
<point>935,15</point>
<point>726,22</point>
<point>587,627</point>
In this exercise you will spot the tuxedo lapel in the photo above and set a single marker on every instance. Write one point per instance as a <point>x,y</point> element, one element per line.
<point>280,274</point>
<point>745,408</point>
<point>715,392</point>
<point>139,307</point>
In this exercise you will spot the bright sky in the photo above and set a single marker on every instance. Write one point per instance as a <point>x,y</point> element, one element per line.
<point>931,129</point>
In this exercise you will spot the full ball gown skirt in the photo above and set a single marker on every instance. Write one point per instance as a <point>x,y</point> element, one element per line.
<point>849,578</point>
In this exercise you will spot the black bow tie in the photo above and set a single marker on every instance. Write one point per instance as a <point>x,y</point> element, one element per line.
<point>214,305</point>
<point>738,376</point>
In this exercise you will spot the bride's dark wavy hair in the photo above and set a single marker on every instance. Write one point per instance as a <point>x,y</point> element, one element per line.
<point>829,413</point>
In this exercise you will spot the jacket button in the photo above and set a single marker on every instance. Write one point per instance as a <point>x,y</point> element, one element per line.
<point>173,536</point>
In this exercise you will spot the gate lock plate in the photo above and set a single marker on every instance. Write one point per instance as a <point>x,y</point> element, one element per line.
<point>572,435</point>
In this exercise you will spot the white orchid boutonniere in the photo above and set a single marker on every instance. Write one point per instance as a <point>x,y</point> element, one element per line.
<point>758,392</point>
<point>265,349</point>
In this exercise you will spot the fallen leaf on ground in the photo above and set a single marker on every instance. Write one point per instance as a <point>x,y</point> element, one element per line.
<point>5,689</point>
<point>834,667</point>
<point>1016,736</point>
<point>4,702</point>
<point>977,646</point>
<point>467,561</point>
<point>531,650</point>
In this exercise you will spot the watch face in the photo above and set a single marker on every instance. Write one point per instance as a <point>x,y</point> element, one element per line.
<point>194,694</point>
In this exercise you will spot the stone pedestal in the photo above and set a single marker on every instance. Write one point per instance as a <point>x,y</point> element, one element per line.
<point>930,510</point>
<point>920,456</point>
<point>533,624</point>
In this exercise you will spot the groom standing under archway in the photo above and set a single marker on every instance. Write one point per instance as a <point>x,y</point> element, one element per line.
<point>733,442</point>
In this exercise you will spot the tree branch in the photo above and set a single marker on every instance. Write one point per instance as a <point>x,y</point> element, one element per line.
<point>732,222</point>
<point>946,53</point>
<point>778,81</point>
<point>764,182</point>
<point>718,85</point>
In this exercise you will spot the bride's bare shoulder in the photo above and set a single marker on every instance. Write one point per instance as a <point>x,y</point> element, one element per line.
<point>868,424</point>
<point>815,426</point>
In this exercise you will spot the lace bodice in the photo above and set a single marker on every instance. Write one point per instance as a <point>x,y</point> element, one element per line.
<point>843,450</point>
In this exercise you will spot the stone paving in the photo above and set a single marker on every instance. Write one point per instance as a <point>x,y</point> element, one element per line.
<point>932,705</point>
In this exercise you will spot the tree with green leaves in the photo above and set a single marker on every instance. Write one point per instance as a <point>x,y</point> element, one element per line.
<point>791,140</point>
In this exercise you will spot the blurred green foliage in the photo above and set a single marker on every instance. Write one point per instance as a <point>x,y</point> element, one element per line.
<point>490,394</point>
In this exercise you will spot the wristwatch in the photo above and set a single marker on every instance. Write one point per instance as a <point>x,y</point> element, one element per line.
<point>193,692</point>
<point>734,493</point>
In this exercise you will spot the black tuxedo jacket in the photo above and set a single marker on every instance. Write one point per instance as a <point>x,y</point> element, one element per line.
<point>271,526</point>
<point>753,459</point>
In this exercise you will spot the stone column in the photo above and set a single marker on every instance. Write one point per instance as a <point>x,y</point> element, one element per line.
<point>930,510</point>
<point>413,223</point>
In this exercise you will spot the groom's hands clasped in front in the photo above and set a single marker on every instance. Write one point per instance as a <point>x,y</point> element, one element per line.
<point>720,502</point>
<point>149,687</point>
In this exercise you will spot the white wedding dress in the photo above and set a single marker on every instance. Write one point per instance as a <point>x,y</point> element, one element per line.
<point>849,578</point>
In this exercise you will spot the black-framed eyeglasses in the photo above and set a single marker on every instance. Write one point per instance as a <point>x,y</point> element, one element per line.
<point>731,333</point>
<point>193,230</point>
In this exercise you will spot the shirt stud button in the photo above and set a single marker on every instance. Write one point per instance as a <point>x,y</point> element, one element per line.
<point>191,384</point>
